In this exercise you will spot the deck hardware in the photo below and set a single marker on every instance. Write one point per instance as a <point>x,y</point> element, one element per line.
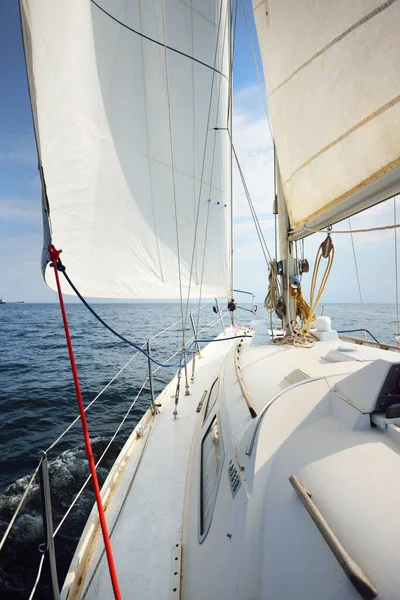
<point>245,393</point>
<point>200,404</point>
<point>153,406</point>
<point>234,479</point>
<point>176,570</point>
<point>220,316</point>
<point>195,335</point>
<point>355,574</point>
<point>49,549</point>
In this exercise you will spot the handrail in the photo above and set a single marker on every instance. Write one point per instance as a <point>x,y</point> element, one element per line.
<point>244,391</point>
<point>252,300</point>
<point>261,414</point>
<point>353,571</point>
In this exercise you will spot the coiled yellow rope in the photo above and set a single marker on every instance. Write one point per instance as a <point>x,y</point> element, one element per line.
<point>326,250</point>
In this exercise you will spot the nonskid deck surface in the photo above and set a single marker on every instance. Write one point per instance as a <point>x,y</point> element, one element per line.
<point>266,542</point>
<point>145,514</point>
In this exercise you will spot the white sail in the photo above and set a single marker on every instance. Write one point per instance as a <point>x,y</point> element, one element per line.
<point>121,124</point>
<point>332,71</point>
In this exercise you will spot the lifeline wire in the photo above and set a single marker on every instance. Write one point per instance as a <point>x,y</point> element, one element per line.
<point>61,267</point>
<point>358,280</point>
<point>359,330</point>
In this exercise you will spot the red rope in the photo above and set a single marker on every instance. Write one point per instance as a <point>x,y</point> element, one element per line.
<point>54,256</point>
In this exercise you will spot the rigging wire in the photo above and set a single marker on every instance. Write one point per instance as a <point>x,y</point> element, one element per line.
<point>257,225</point>
<point>39,572</point>
<point>210,103</point>
<point>265,103</point>
<point>232,57</point>
<point>20,503</point>
<point>173,170</point>
<point>358,280</point>
<point>366,230</point>
<point>54,258</point>
<point>258,72</point>
<point>77,496</point>
<point>211,177</point>
<point>92,402</point>
<point>61,267</point>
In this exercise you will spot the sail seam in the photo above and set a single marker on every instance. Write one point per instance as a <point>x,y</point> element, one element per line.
<point>146,37</point>
<point>344,135</point>
<point>339,38</point>
<point>370,179</point>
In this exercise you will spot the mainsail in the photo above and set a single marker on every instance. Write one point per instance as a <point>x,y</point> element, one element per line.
<point>332,71</point>
<point>137,184</point>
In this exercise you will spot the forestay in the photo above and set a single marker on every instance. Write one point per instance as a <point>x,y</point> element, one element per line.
<point>126,96</point>
<point>333,77</point>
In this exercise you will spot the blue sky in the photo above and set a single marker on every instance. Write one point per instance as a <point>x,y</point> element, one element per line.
<point>20,210</point>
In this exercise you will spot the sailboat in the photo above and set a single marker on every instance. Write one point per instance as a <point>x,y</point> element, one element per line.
<point>267,469</point>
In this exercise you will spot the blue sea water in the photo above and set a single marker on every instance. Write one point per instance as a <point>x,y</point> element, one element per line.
<point>37,402</point>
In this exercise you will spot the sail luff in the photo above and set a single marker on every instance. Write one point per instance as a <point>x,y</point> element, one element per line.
<point>98,70</point>
<point>332,73</point>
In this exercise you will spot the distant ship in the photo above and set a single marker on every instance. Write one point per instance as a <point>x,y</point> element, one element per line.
<point>2,301</point>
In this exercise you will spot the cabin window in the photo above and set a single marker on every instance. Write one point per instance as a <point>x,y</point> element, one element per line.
<point>212,457</point>
<point>212,397</point>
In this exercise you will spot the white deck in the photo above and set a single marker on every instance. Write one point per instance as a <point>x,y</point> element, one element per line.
<point>267,545</point>
<point>262,543</point>
<point>149,499</point>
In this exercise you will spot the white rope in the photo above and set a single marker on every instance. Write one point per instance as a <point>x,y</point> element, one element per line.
<point>173,170</point>
<point>396,272</point>
<point>358,281</point>
<point>21,502</point>
<point>101,458</point>
<point>37,578</point>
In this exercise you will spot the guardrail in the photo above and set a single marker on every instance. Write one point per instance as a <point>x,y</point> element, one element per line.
<point>47,548</point>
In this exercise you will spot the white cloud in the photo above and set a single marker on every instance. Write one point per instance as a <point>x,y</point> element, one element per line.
<point>15,210</point>
<point>252,141</point>
<point>21,149</point>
